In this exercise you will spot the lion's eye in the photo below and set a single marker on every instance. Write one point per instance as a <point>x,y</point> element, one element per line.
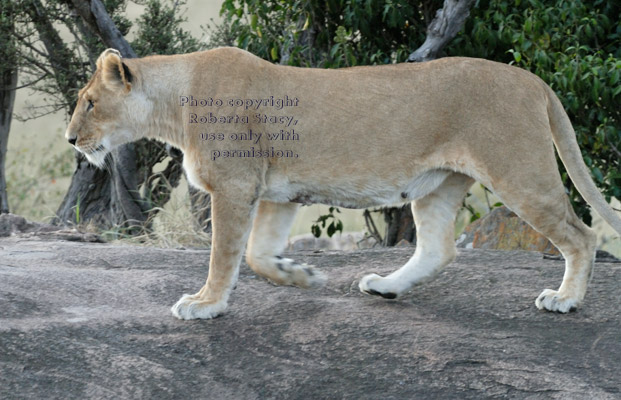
<point>90,105</point>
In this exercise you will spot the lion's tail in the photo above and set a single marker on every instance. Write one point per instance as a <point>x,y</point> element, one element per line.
<point>565,140</point>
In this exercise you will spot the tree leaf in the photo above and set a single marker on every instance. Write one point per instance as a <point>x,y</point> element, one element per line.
<point>316,231</point>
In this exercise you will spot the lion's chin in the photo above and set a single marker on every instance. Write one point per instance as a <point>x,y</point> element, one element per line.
<point>97,157</point>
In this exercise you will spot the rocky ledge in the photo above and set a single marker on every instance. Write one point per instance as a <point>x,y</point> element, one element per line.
<point>91,320</point>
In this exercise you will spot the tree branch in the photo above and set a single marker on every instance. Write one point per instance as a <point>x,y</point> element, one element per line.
<point>371,227</point>
<point>445,26</point>
<point>25,85</point>
<point>613,147</point>
<point>98,20</point>
<point>59,55</point>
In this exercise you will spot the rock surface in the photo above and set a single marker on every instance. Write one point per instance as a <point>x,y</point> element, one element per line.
<point>85,320</point>
<point>11,224</point>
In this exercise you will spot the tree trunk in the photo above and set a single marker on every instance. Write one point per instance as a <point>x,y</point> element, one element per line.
<point>399,225</point>
<point>88,197</point>
<point>449,20</point>
<point>7,100</point>
<point>97,19</point>
<point>8,84</point>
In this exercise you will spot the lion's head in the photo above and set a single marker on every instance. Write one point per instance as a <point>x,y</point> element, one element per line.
<point>107,110</point>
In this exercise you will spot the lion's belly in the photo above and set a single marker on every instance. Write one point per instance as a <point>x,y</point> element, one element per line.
<point>360,194</point>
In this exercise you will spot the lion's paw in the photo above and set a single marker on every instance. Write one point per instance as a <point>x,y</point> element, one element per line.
<point>301,275</point>
<point>375,285</point>
<point>552,300</point>
<point>190,306</point>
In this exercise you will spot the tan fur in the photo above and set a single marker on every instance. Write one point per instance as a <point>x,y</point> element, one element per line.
<point>368,136</point>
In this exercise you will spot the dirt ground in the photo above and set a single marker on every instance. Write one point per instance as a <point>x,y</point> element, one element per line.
<point>92,320</point>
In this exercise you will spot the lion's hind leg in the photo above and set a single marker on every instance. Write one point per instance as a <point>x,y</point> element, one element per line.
<point>541,201</point>
<point>267,242</point>
<point>434,216</point>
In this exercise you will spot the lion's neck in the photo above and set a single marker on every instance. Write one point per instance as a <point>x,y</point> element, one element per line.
<point>166,83</point>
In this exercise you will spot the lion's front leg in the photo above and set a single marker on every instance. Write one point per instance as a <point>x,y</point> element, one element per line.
<point>232,215</point>
<point>267,242</point>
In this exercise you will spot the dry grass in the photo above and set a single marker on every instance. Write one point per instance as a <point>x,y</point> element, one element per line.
<point>172,226</point>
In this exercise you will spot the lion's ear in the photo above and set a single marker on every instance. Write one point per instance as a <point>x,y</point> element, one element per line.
<point>114,73</point>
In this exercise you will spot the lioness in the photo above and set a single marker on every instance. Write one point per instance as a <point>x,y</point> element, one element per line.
<point>367,136</point>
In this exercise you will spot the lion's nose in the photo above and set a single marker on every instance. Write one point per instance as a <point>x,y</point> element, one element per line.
<point>72,140</point>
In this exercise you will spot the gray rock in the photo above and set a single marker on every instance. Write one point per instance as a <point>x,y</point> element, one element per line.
<point>84,320</point>
<point>11,224</point>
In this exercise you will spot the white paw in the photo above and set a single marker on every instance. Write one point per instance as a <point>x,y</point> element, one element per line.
<point>316,278</point>
<point>376,285</point>
<point>291,273</point>
<point>551,300</point>
<point>190,306</point>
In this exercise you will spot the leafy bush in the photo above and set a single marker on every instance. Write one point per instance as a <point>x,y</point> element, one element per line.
<point>160,31</point>
<point>336,225</point>
<point>329,34</point>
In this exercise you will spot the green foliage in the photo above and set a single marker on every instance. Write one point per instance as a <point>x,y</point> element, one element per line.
<point>329,34</point>
<point>335,225</point>
<point>8,50</point>
<point>160,32</point>
<point>92,44</point>
<point>76,209</point>
<point>219,35</point>
<point>49,63</point>
<point>574,47</point>
<point>474,214</point>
